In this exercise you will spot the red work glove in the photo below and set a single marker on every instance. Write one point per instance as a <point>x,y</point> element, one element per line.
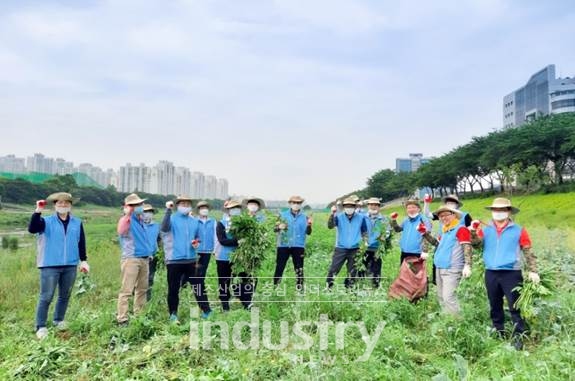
<point>422,228</point>
<point>40,205</point>
<point>394,215</point>
<point>427,198</point>
<point>475,224</point>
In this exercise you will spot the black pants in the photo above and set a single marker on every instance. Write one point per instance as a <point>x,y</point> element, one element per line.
<point>372,266</point>
<point>152,266</point>
<point>341,256</point>
<point>178,275</point>
<point>297,256</point>
<point>244,291</point>
<point>408,255</point>
<point>499,284</point>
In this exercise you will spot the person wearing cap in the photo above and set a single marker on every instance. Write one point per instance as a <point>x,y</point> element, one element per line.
<point>452,257</point>
<point>506,248</point>
<point>291,237</point>
<point>207,231</point>
<point>451,201</point>
<point>181,237</point>
<point>351,229</point>
<point>379,233</point>
<point>228,244</point>
<point>254,205</point>
<point>137,248</point>
<point>411,243</point>
<point>61,247</point>
<point>153,232</point>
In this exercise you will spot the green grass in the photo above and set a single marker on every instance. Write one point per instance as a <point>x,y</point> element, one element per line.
<point>417,341</point>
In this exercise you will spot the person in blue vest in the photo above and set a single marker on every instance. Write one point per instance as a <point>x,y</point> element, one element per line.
<point>254,206</point>
<point>452,257</point>
<point>291,237</point>
<point>411,243</point>
<point>137,248</point>
<point>61,246</point>
<point>181,235</point>
<point>227,245</point>
<point>351,229</point>
<point>153,231</point>
<point>451,201</point>
<point>207,231</point>
<point>379,233</point>
<point>506,249</point>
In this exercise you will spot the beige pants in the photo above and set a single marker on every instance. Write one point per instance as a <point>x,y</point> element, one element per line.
<point>134,280</point>
<point>447,282</point>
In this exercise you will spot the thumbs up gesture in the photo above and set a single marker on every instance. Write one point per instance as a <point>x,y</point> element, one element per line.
<point>427,198</point>
<point>394,215</point>
<point>422,228</point>
<point>40,205</point>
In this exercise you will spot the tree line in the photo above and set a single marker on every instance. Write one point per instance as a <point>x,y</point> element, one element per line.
<point>20,191</point>
<point>539,154</point>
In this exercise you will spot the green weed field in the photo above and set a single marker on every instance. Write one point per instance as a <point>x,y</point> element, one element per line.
<point>416,343</point>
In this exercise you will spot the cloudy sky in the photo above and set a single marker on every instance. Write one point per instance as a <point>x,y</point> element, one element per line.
<point>281,97</point>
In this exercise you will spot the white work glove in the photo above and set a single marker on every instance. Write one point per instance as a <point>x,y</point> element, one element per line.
<point>333,209</point>
<point>424,256</point>
<point>534,277</point>
<point>170,205</point>
<point>84,267</point>
<point>40,205</point>
<point>475,224</point>
<point>127,210</point>
<point>466,271</point>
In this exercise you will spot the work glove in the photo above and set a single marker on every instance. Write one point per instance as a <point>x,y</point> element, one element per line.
<point>170,205</point>
<point>424,256</point>
<point>466,271</point>
<point>475,224</point>
<point>534,277</point>
<point>422,228</point>
<point>394,216</point>
<point>40,205</point>
<point>427,198</point>
<point>84,267</point>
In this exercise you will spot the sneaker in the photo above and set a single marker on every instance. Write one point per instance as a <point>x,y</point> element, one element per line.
<point>42,333</point>
<point>174,319</point>
<point>206,314</point>
<point>61,325</point>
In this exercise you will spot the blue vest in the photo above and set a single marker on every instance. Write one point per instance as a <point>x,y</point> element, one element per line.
<point>136,242</point>
<point>56,247</point>
<point>295,235</point>
<point>449,252</point>
<point>226,251</point>
<point>178,241</point>
<point>206,229</point>
<point>502,252</point>
<point>153,231</point>
<point>375,226</point>
<point>411,240</point>
<point>349,231</point>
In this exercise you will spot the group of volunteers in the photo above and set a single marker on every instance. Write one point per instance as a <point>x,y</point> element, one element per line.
<point>190,236</point>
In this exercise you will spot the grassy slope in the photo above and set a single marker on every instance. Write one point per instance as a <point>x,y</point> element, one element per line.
<point>417,341</point>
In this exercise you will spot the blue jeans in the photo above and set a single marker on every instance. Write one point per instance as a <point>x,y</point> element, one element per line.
<point>62,277</point>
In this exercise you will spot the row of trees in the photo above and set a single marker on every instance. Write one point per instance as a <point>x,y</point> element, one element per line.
<point>538,153</point>
<point>20,191</point>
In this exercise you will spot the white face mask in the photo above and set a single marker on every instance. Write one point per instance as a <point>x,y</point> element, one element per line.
<point>413,215</point>
<point>500,216</point>
<point>204,212</point>
<point>235,212</point>
<point>295,207</point>
<point>184,209</point>
<point>349,211</point>
<point>147,216</point>
<point>373,211</point>
<point>253,208</point>
<point>63,209</point>
<point>452,205</point>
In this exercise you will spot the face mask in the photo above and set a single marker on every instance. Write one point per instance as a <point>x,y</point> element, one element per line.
<point>373,211</point>
<point>235,212</point>
<point>295,207</point>
<point>147,216</point>
<point>500,216</point>
<point>204,212</point>
<point>349,211</point>
<point>253,208</point>
<point>184,209</point>
<point>63,209</point>
<point>138,210</point>
<point>359,210</point>
<point>452,205</point>
<point>412,215</point>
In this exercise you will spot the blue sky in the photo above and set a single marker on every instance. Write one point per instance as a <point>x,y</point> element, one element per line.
<point>281,97</point>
